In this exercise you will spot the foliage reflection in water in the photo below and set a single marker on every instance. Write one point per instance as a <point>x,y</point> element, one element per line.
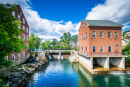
<point>62,73</point>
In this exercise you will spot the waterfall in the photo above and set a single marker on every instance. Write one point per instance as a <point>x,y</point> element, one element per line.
<point>70,58</point>
<point>61,57</point>
<point>50,56</point>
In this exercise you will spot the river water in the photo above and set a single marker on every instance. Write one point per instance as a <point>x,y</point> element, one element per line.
<point>63,73</point>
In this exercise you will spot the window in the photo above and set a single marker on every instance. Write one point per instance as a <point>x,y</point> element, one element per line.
<point>23,54</point>
<point>101,48</point>
<point>6,57</point>
<point>20,13</point>
<point>109,34</point>
<point>82,26</point>
<point>23,21</point>
<point>13,13</point>
<point>101,34</point>
<point>19,37</point>
<point>27,37</point>
<point>18,17</point>
<point>116,34</point>
<point>109,48</point>
<point>13,57</point>
<point>86,48</point>
<point>82,36</point>
<point>23,27</point>
<point>27,30</point>
<point>19,56</point>
<point>23,36</point>
<point>82,48</point>
<point>94,34</point>
<point>86,34</point>
<point>94,48</point>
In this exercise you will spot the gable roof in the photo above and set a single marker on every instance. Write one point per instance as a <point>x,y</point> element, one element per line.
<point>102,23</point>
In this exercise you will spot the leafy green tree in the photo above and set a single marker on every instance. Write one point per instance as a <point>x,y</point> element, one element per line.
<point>66,38</point>
<point>9,32</point>
<point>126,37</point>
<point>126,50</point>
<point>34,42</point>
<point>75,39</point>
<point>46,45</point>
<point>54,42</point>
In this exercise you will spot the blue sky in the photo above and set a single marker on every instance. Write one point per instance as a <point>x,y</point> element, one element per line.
<point>49,19</point>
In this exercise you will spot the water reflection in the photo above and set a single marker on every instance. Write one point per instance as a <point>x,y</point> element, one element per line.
<point>62,73</point>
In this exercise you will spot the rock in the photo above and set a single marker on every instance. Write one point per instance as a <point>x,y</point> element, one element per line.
<point>32,65</point>
<point>31,69</point>
<point>39,64</point>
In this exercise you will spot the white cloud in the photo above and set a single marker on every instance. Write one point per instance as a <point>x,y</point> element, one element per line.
<point>114,10</point>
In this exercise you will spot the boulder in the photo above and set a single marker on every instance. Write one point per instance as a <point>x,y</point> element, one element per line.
<point>31,69</point>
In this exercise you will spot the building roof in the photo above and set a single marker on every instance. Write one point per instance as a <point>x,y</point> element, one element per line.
<point>102,23</point>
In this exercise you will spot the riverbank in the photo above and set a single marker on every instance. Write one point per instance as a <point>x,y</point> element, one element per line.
<point>18,74</point>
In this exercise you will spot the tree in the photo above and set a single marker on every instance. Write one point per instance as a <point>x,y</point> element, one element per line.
<point>66,38</point>
<point>54,42</point>
<point>9,32</point>
<point>34,42</point>
<point>126,38</point>
<point>126,49</point>
<point>46,45</point>
<point>75,39</point>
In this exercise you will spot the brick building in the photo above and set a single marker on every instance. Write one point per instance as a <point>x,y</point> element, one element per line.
<point>25,34</point>
<point>100,37</point>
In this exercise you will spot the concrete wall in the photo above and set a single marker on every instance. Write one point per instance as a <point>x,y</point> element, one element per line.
<point>119,62</point>
<point>87,62</point>
<point>103,61</point>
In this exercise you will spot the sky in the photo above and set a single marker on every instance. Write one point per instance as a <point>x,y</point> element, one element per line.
<point>49,19</point>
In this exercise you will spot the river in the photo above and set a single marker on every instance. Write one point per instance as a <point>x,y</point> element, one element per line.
<point>63,73</point>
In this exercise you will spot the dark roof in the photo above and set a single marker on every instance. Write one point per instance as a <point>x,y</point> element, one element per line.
<point>102,23</point>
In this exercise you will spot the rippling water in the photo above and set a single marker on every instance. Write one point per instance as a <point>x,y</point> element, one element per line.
<point>66,74</point>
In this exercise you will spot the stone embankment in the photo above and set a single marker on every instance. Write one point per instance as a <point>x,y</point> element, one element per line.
<point>16,77</point>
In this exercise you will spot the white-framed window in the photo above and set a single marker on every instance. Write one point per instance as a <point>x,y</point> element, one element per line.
<point>109,34</point>
<point>82,26</point>
<point>82,36</point>
<point>23,21</point>
<point>23,27</point>
<point>27,29</point>
<point>18,17</point>
<point>13,13</point>
<point>94,34</point>
<point>94,48</point>
<point>109,48</point>
<point>23,54</point>
<point>23,36</point>
<point>6,57</point>
<point>86,48</point>
<point>82,48</point>
<point>27,37</point>
<point>13,57</point>
<point>19,56</point>
<point>116,34</point>
<point>101,34</point>
<point>86,34</point>
<point>101,48</point>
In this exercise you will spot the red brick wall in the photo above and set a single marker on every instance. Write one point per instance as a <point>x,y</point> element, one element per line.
<point>105,41</point>
<point>24,32</point>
